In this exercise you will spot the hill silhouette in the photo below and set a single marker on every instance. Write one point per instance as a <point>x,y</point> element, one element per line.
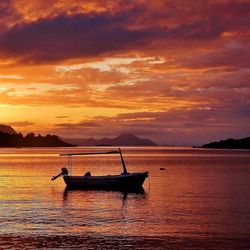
<point>7,129</point>
<point>10,138</point>
<point>121,140</point>
<point>243,143</point>
<point>30,140</point>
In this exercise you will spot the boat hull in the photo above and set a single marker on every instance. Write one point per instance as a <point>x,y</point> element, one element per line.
<point>128,181</point>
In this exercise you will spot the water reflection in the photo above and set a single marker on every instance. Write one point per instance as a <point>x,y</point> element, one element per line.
<point>70,194</point>
<point>101,211</point>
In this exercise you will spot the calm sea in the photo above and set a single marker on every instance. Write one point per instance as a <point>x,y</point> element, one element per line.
<point>200,201</point>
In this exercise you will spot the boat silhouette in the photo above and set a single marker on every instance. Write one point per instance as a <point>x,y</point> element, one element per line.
<point>125,181</point>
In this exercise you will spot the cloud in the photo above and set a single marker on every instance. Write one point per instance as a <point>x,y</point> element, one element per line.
<point>165,127</point>
<point>80,124</point>
<point>62,117</point>
<point>231,54</point>
<point>26,126</point>
<point>8,16</point>
<point>22,124</point>
<point>61,37</point>
<point>158,69</point>
<point>67,37</point>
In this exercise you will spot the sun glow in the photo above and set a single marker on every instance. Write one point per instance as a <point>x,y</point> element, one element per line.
<point>91,62</point>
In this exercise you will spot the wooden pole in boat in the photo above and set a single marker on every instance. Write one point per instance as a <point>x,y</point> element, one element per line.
<point>70,165</point>
<point>123,163</point>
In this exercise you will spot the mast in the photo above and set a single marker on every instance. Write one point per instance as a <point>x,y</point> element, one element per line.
<point>95,153</point>
<point>70,165</point>
<point>123,163</point>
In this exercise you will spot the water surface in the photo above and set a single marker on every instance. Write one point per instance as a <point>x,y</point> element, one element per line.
<point>200,201</point>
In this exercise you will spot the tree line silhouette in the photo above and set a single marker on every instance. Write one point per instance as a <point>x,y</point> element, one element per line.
<point>31,140</point>
<point>243,143</point>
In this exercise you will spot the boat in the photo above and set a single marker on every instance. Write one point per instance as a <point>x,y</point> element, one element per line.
<point>125,181</point>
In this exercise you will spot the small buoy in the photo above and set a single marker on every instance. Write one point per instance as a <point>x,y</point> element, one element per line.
<point>162,168</point>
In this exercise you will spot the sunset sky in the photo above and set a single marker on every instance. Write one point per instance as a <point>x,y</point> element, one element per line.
<point>172,71</point>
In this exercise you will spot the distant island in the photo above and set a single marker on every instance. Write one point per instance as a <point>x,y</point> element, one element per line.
<point>121,140</point>
<point>230,144</point>
<point>7,129</point>
<point>30,140</point>
<point>10,138</point>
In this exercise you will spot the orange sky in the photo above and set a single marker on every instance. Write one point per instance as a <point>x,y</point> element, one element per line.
<point>173,71</point>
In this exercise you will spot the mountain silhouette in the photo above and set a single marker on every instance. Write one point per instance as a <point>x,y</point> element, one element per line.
<point>30,140</point>
<point>10,138</point>
<point>7,129</point>
<point>121,140</point>
<point>243,143</point>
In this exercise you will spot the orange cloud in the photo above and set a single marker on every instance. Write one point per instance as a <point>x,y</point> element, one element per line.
<point>156,68</point>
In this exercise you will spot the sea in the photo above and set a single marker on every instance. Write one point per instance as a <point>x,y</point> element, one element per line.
<point>194,198</point>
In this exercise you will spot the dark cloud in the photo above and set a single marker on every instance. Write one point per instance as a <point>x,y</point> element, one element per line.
<point>62,117</point>
<point>83,35</point>
<point>79,125</point>
<point>231,54</point>
<point>71,37</point>
<point>7,15</point>
<point>235,14</point>
<point>5,8</point>
<point>201,29</point>
<point>89,124</point>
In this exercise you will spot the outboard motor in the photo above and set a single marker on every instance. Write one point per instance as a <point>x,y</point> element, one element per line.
<point>64,171</point>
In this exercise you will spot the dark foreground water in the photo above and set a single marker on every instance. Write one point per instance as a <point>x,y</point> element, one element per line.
<point>200,201</point>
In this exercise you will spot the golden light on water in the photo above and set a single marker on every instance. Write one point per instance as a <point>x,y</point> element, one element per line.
<point>191,202</point>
